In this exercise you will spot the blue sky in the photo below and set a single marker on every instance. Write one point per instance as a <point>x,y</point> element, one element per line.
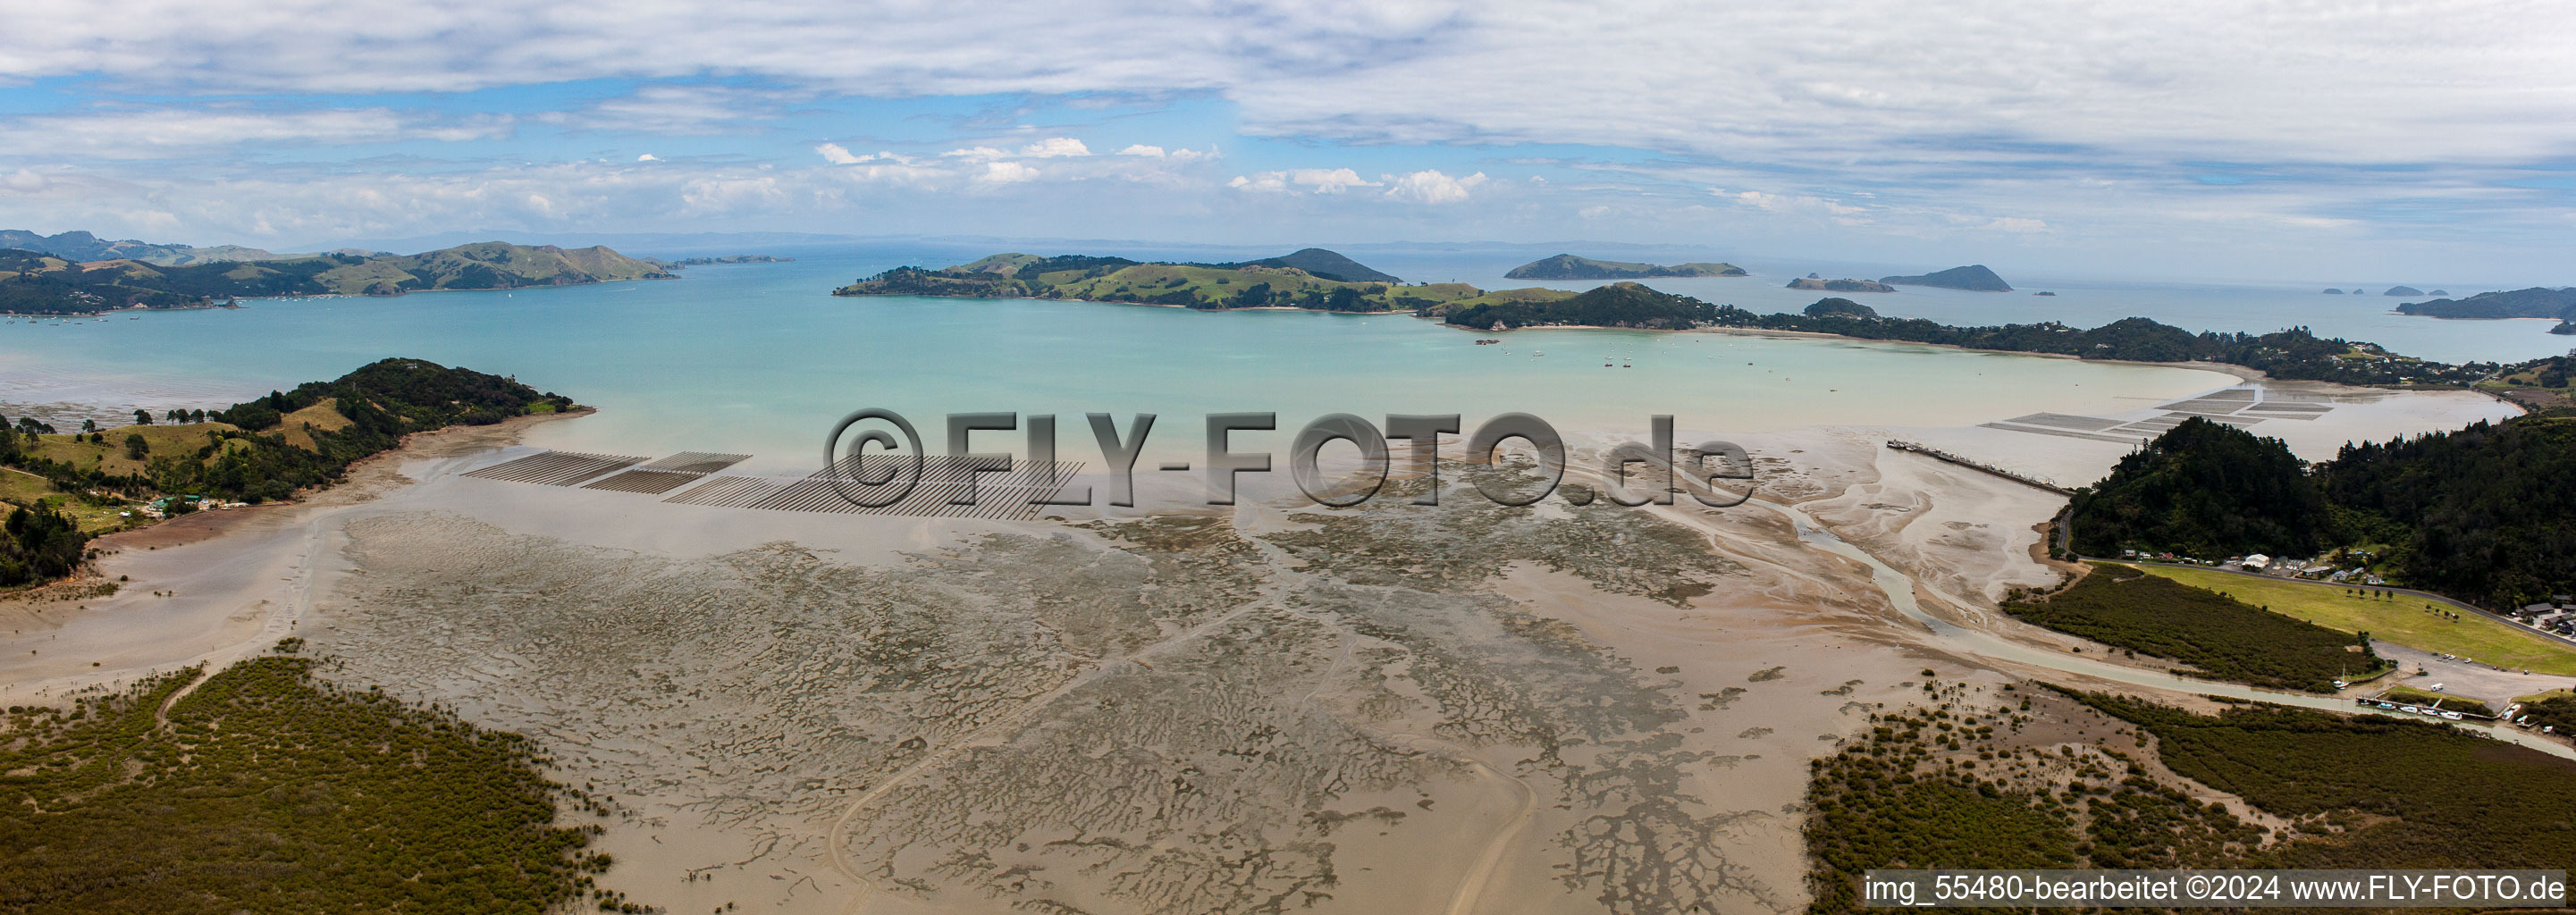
<point>2205,140</point>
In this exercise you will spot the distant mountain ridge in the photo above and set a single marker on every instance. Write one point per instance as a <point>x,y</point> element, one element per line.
<point>36,283</point>
<point>1571,267</point>
<point>1973,277</point>
<point>83,246</point>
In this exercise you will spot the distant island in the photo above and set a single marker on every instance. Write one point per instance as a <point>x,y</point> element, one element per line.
<point>1321,263</point>
<point>2403,290</point>
<point>1972,277</point>
<point>1312,278</point>
<point>1809,282</point>
<point>2289,354</point>
<point>81,246</point>
<point>1570,267</point>
<point>1823,307</point>
<point>2333,291</point>
<point>727,259</point>
<point>2535,302</point>
<point>36,283</point>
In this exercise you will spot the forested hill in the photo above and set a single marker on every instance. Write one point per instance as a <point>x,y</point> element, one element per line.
<point>2488,512</point>
<point>2204,489</point>
<point>34,283</point>
<point>1615,305</point>
<point>2485,514</point>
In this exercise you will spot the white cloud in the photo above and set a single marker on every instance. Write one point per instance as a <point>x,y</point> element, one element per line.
<point>2403,80</point>
<point>2079,118</point>
<point>1053,147</point>
<point>837,154</point>
<point>1316,180</point>
<point>648,157</point>
<point>675,110</point>
<point>1431,186</point>
<point>148,133</point>
<point>1006,173</point>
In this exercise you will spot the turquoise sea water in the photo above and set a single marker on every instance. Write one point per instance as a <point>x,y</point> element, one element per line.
<point>761,359</point>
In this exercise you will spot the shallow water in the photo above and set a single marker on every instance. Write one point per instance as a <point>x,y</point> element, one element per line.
<point>761,359</point>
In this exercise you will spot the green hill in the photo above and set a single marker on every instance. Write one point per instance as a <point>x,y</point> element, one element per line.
<point>1615,305</point>
<point>1840,306</point>
<point>1570,267</point>
<point>2204,489</point>
<point>32,283</point>
<point>2484,513</point>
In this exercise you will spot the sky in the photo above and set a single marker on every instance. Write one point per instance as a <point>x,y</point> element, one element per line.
<point>2175,138</point>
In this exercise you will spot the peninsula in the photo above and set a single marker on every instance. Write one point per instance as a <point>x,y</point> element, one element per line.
<point>36,283</point>
<point>2289,354</point>
<point>1570,267</point>
<point>2535,302</point>
<point>1973,277</point>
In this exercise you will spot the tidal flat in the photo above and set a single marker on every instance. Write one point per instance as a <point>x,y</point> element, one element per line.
<point>1271,707</point>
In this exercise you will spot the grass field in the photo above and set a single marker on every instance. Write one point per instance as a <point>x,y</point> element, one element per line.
<point>2401,620</point>
<point>110,456</point>
<point>18,488</point>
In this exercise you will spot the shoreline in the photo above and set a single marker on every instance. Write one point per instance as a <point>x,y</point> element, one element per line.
<point>257,547</point>
<point>732,632</point>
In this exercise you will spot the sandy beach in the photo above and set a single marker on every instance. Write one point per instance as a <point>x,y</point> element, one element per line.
<point>1278,707</point>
